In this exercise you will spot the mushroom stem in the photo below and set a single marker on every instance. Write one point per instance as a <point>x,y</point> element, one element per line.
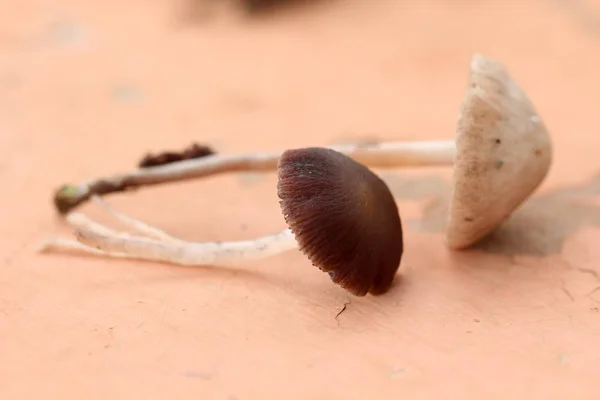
<point>95,239</point>
<point>374,155</point>
<point>190,253</point>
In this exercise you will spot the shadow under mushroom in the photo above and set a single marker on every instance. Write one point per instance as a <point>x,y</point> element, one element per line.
<point>538,228</point>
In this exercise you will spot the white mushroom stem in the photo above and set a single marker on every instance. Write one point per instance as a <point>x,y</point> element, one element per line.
<point>374,155</point>
<point>400,154</point>
<point>190,253</point>
<point>156,245</point>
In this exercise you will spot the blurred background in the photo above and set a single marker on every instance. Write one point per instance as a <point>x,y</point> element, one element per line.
<point>87,87</point>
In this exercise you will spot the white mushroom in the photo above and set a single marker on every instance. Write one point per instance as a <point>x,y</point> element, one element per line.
<point>503,154</point>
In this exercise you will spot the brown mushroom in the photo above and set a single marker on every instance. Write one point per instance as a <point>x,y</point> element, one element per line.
<point>340,214</point>
<point>343,216</point>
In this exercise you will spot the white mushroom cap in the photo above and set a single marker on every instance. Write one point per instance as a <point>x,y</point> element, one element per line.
<point>503,153</point>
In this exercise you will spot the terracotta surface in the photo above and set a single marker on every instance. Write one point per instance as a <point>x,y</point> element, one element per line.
<point>88,87</point>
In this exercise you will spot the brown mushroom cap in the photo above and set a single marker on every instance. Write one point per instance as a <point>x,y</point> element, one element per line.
<point>503,153</point>
<point>343,216</point>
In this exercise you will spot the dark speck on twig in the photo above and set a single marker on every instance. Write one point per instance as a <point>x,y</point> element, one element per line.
<point>167,157</point>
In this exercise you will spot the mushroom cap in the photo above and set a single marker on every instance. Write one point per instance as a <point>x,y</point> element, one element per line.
<point>503,153</point>
<point>343,216</point>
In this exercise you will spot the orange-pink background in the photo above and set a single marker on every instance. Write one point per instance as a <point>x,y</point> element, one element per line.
<point>88,87</point>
